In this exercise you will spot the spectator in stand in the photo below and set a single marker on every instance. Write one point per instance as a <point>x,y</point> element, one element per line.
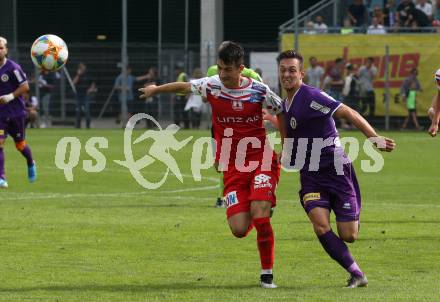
<point>320,26</point>
<point>337,79</point>
<point>436,15</point>
<point>351,88</point>
<point>31,104</point>
<point>367,73</point>
<point>404,10</point>
<point>314,74</point>
<point>85,91</point>
<point>390,14</point>
<point>378,13</point>
<point>46,83</point>
<point>152,103</point>
<point>411,106</point>
<point>375,28</point>
<point>426,7</point>
<point>194,104</point>
<point>436,9</point>
<point>358,13</point>
<point>350,93</point>
<point>310,28</point>
<point>348,27</point>
<point>412,78</point>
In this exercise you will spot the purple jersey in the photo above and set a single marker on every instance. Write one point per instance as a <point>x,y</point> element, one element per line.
<point>309,119</point>
<point>12,77</point>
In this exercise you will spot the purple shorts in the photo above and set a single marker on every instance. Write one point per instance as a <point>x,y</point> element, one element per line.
<point>327,189</point>
<point>14,126</point>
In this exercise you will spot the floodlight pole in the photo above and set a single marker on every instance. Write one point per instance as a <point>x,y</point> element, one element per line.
<point>159,54</point>
<point>124,62</point>
<point>295,17</point>
<point>387,87</point>
<point>15,39</point>
<point>186,37</point>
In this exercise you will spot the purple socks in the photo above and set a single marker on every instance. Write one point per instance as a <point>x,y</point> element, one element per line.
<point>338,250</point>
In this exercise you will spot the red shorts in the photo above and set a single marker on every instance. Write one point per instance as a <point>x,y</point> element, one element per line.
<point>241,188</point>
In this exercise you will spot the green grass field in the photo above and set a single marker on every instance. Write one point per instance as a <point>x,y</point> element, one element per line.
<point>102,237</point>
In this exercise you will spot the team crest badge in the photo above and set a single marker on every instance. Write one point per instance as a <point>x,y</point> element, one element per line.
<point>237,105</point>
<point>4,77</point>
<point>293,123</point>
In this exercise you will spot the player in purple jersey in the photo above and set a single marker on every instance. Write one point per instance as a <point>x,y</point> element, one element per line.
<point>13,84</point>
<point>328,180</point>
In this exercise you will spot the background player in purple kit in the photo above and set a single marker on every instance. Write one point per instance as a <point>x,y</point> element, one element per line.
<point>13,84</point>
<point>309,115</point>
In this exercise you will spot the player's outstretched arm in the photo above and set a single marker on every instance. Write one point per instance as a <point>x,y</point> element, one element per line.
<point>174,87</point>
<point>433,129</point>
<point>382,143</point>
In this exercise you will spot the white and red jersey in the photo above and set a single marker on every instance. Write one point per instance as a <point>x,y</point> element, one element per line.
<point>437,78</point>
<point>239,109</point>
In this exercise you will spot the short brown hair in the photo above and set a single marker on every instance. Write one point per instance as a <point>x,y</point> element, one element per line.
<point>291,54</point>
<point>231,53</point>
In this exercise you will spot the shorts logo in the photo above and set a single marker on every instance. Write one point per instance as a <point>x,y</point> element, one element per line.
<point>311,196</point>
<point>231,199</point>
<point>293,123</point>
<point>237,105</point>
<point>262,181</point>
<point>347,206</point>
<point>4,77</point>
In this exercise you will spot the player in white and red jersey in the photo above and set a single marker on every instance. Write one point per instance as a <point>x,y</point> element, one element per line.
<point>250,166</point>
<point>434,111</point>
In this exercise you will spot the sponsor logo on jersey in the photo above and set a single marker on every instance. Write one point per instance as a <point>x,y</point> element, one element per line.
<point>216,90</point>
<point>237,105</point>
<point>231,199</point>
<point>5,77</point>
<point>256,97</point>
<point>238,119</point>
<point>262,181</point>
<point>2,132</point>
<point>293,123</point>
<point>316,106</point>
<point>311,196</point>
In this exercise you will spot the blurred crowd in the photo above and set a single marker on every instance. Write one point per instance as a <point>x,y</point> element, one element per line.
<point>355,87</point>
<point>382,16</point>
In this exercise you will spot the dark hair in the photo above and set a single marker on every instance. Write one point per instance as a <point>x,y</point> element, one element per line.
<point>371,59</point>
<point>291,54</point>
<point>231,53</point>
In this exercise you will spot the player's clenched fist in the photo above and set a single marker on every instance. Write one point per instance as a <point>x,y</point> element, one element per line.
<point>147,91</point>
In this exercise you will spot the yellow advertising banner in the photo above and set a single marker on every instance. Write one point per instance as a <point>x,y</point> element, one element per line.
<point>407,51</point>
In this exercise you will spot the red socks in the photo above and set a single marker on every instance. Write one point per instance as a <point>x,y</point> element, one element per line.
<point>265,241</point>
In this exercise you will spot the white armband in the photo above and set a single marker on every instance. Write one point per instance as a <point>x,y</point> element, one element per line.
<point>8,97</point>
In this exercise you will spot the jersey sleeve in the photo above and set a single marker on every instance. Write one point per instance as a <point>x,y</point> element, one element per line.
<point>273,102</point>
<point>200,86</point>
<point>437,79</point>
<point>324,103</point>
<point>19,75</point>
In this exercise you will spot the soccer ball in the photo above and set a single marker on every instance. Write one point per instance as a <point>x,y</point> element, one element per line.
<point>49,52</point>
